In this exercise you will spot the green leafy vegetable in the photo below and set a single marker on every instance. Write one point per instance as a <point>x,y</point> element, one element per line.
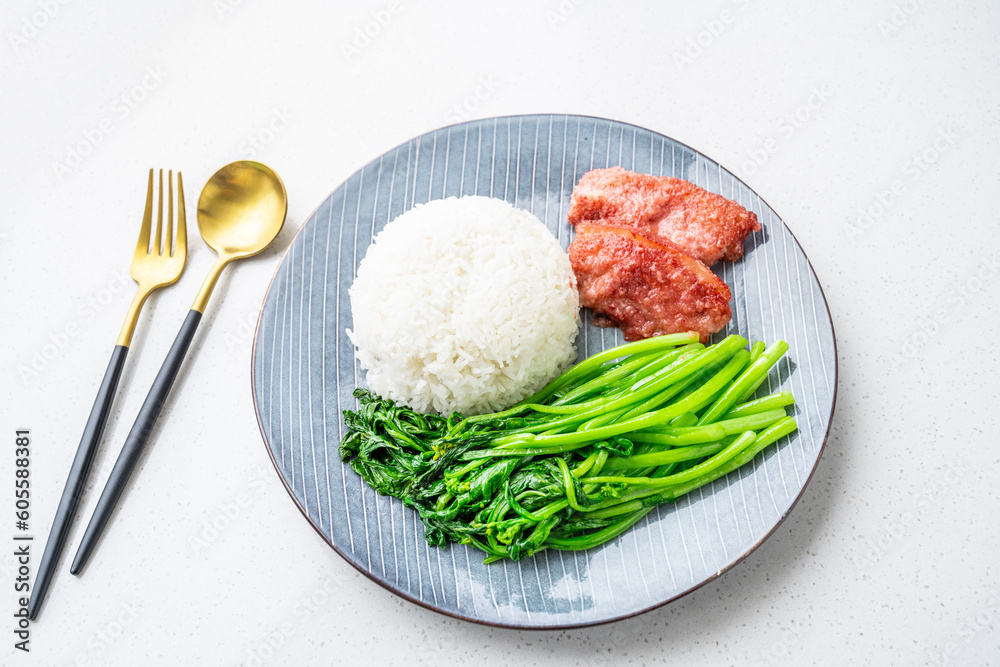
<point>585,458</point>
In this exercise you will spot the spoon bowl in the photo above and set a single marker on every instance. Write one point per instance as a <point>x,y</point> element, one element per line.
<point>241,209</point>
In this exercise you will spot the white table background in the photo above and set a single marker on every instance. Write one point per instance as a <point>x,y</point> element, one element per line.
<point>828,110</point>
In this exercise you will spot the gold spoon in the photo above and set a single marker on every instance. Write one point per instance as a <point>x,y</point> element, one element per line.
<point>240,211</point>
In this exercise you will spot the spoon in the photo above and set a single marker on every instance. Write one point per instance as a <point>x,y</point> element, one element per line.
<point>240,211</point>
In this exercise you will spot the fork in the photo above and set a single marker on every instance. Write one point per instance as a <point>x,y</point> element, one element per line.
<point>152,268</point>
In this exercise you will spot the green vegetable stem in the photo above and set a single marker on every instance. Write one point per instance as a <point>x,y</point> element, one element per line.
<point>585,458</point>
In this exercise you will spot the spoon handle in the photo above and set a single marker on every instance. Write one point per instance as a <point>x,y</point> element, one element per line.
<point>136,440</point>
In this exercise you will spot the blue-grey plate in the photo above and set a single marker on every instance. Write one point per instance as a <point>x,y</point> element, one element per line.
<point>304,372</point>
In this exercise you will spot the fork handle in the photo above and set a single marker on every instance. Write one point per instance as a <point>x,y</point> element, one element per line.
<point>136,440</point>
<point>77,480</point>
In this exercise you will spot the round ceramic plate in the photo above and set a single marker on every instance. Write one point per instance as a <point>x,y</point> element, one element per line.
<point>304,371</point>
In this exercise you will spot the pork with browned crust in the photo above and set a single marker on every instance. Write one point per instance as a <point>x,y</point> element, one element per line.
<point>701,223</point>
<point>645,287</point>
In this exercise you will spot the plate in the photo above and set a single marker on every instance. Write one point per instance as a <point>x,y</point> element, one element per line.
<point>304,371</point>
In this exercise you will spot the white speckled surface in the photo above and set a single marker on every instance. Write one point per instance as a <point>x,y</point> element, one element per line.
<point>826,111</point>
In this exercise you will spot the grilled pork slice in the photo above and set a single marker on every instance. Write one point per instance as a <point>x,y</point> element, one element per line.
<point>701,223</point>
<point>645,287</point>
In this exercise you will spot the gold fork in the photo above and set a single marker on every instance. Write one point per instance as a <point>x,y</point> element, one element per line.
<point>152,268</point>
<point>156,267</point>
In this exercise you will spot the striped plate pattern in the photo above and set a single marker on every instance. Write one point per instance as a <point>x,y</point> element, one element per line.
<point>304,372</point>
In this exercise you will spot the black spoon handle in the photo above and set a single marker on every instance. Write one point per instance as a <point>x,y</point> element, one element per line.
<point>136,440</point>
<point>77,479</point>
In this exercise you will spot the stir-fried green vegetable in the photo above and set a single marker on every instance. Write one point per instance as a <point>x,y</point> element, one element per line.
<point>584,459</point>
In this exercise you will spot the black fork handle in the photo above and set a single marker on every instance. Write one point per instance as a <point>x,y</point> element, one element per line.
<point>136,440</point>
<point>77,480</point>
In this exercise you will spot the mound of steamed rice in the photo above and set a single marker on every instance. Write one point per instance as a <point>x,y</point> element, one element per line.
<point>463,305</point>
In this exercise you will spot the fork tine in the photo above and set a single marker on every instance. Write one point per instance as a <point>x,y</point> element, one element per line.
<point>168,238</point>
<point>147,219</point>
<point>180,244</point>
<point>159,218</point>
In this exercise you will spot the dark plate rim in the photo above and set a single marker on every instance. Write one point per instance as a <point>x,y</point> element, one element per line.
<point>568,626</point>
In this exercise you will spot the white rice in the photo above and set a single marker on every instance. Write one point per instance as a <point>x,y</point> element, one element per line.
<point>464,304</point>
